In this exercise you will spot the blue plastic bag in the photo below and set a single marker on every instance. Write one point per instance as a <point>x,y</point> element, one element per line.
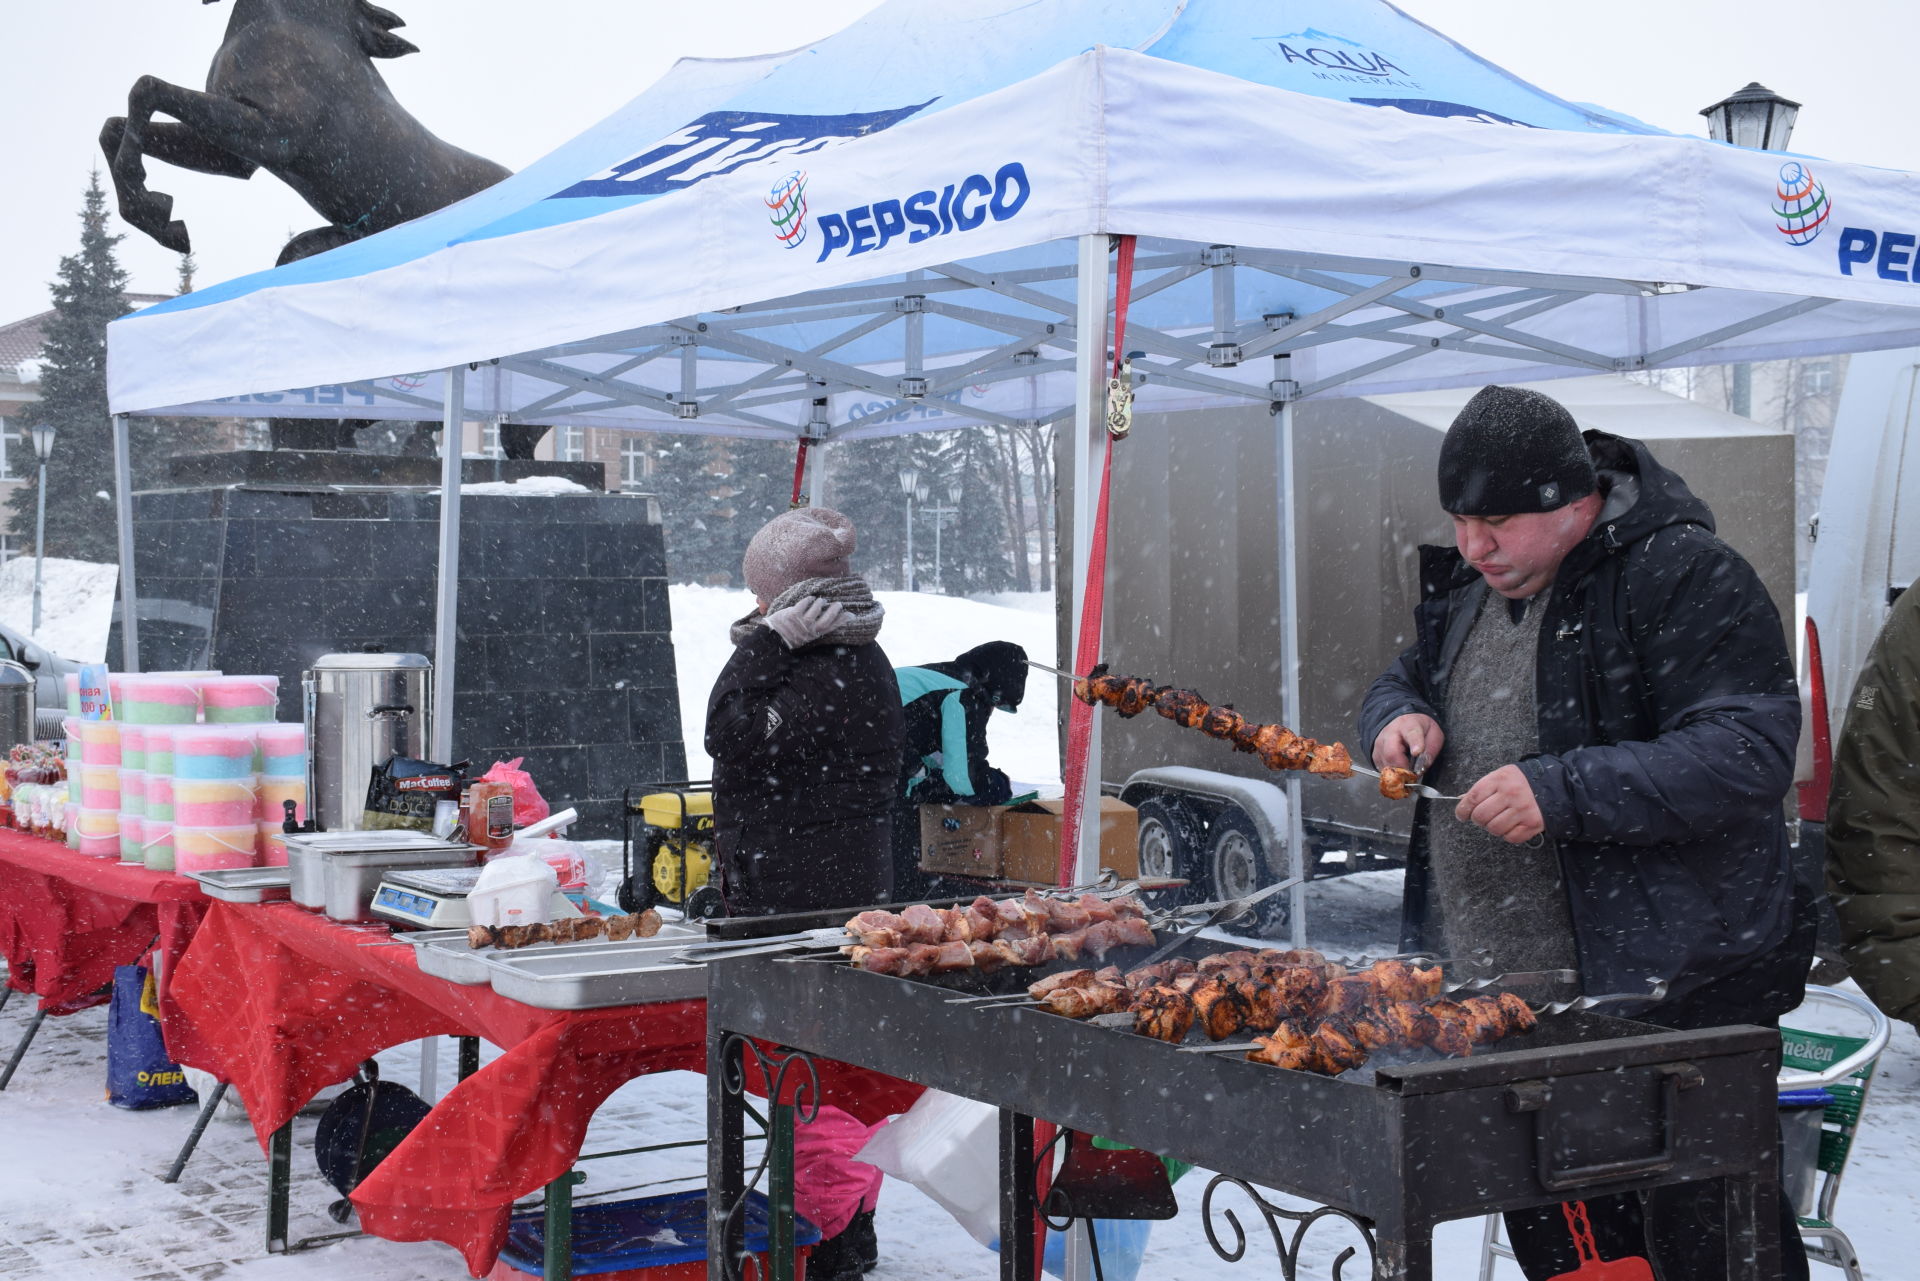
<point>139,1073</point>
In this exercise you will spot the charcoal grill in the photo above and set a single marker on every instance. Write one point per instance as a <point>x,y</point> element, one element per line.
<point>1583,1105</point>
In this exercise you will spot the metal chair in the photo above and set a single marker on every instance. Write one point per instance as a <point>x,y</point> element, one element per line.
<point>1841,1065</point>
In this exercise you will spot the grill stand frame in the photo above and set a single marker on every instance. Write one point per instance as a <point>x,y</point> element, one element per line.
<point>1360,1149</point>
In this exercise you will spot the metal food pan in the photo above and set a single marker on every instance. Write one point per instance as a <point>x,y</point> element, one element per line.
<point>445,955</point>
<point>244,884</point>
<point>616,975</point>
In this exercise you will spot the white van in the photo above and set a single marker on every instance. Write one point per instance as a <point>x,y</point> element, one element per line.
<point>1866,551</point>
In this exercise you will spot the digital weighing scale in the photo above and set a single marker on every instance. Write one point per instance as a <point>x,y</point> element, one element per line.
<point>436,898</point>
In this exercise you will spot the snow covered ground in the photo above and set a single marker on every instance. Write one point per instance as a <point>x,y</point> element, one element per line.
<point>919,628</point>
<point>80,1197</point>
<point>76,604</point>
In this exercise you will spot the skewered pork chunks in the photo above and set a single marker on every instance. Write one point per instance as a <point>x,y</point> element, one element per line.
<point>570,929</point>
<point>990,934</point>
<point>1395,781</point>
<point>1277,747</point>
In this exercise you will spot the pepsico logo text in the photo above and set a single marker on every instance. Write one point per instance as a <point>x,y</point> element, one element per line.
<point>958,206</point>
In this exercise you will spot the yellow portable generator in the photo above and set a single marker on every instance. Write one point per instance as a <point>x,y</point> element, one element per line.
<point>666,851</point>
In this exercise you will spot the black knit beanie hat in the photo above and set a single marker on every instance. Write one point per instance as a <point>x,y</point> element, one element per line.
<point>1513,450</point>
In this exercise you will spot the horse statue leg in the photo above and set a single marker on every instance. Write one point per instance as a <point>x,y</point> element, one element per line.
<point>214,135</point>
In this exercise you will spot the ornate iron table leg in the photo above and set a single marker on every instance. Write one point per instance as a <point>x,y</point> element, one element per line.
<point>727,1181</point>
<point>1018,1204</point>
<point>1393,1254</point>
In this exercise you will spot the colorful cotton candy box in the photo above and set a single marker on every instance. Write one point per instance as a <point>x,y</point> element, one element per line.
<point>215,802</point>
<point>213,751</point>
<point>209,849</point>
<point>276,792</point>
<point>283,750</point>
<point>239,699</point>
<point>156,700</point>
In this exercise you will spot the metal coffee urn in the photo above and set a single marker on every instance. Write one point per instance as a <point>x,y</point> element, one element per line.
<point>16,705</point>
<point>361,709</point>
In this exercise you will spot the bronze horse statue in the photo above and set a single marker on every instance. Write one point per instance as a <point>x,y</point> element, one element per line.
<point>293,90</point>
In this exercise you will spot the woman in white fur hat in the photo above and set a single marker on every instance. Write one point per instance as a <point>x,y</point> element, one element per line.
<point>804,727</point>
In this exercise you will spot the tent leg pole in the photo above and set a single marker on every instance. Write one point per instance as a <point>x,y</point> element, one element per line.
<point>1290,636</point>
<point>123,510</point>
<point>447,597</point>
<point>816,479</point>
<point>1089,440</point>
<point>1089,428</point>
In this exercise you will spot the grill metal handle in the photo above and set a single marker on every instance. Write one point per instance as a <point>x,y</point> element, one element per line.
<point>1537,1097</point>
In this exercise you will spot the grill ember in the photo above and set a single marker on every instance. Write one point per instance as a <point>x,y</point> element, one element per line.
<point>1278,747</point>
<point>1317,1016</point>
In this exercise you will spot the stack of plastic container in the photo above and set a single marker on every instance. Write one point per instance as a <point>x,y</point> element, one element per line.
<point>98,790</point>
<point>193,774</point>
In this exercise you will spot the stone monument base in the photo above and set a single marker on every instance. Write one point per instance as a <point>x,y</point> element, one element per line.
<point>565,657</point>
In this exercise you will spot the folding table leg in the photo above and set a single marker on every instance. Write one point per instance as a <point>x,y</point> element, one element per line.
<point>780,1231</point>
<point>207,1110</point>
<point>6,994</point>
<point>1017,1200</point>
<point>279,1187</point>
<point>469,1055</point>
<point>20,1050</point>
<point>559,1225</point>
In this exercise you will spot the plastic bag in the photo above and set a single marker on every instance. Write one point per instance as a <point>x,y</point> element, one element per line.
<point>949,1148</point>
<point>139,1073</point>
<point>513,891</point>
<point>403,792</point>
<point>529,806</point>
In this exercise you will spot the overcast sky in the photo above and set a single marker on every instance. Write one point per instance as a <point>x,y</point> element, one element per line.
<point>510,79</point>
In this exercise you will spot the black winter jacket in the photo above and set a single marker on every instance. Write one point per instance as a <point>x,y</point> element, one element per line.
<point>801,738</point>
<point>995,676</point>
<point>1668,714</point>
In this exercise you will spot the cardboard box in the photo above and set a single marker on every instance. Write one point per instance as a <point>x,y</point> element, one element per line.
<point>1021,842</point>
<point>961,840</point>
<point>1030,841</point>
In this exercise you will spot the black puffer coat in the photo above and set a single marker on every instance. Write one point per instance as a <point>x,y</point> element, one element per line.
<point>803,740</point>
<point>1668,715</point>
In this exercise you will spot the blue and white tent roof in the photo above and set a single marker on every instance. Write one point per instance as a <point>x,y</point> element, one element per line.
<point>885,222</point>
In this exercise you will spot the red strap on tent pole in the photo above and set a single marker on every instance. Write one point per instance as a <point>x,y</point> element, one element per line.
<point>1093,597</point>
<point>799,471</point>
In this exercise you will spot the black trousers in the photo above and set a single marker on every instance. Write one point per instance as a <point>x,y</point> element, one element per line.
<point>767,870</point>
<point>1681,1229</point>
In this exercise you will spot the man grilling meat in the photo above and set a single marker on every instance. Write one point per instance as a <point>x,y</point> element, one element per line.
<point>1609,686</point>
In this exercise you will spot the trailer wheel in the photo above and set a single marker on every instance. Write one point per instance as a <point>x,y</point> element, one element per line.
<point>1169,846</point>
<point>1237,866</point>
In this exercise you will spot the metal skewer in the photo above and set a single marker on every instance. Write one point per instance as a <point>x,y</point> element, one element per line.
<point>1419,789</point>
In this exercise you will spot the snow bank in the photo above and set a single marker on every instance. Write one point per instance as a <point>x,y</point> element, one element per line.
<point>529,487</point>
<point>76,604</point>
<point>920,628</point>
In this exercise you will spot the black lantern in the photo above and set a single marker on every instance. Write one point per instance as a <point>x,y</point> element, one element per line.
<point>1756,118</point>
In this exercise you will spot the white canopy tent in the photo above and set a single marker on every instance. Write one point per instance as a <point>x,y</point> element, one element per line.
<point>905,227</point>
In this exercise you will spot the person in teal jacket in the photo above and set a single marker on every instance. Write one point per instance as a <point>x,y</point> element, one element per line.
<point>944,762</point>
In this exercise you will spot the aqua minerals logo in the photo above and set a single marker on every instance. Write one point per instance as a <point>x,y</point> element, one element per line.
<point>1800,206</point>
<point>787,208</point>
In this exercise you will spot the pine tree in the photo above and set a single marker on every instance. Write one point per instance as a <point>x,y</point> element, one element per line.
<point>865,486</point>
<point>154,442</point>
<point>689,513</point>
<point>976,553</point>
<point>89,292</point>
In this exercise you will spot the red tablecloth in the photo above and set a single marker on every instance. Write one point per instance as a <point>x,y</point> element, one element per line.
<point>282,1003</point>
<point>67,919</point>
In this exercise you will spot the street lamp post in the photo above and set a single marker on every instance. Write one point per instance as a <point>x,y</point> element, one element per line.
<point>910,484</point>
<point>940,515</point>
<point>1758,118</point>
<point>43,449</point>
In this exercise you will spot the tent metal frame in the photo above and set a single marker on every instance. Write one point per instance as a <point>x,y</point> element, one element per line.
<point>1028,331</point>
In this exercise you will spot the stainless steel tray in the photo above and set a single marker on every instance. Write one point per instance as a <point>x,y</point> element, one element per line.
<point>445,954</point>
<point>244,884</point>
<point>590,978</point>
